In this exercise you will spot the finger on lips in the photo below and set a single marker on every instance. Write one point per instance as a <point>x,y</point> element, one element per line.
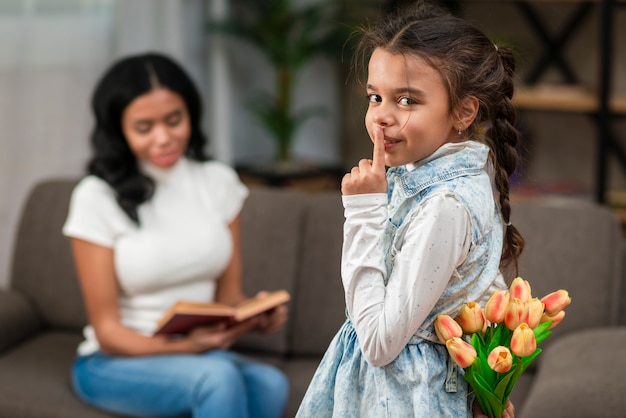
<point>378,157</point>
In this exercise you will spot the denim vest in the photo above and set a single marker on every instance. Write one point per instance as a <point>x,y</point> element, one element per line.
<point>460,170</point>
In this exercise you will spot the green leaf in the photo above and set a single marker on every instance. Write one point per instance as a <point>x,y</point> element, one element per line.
<point>489,375</point>
<point>477,343</point>
<point>529,359</point>
<point>506,379</point>
<point>489,402</point>
<point>498,334</point>
<point>542,332</point>
<point>518,369</point>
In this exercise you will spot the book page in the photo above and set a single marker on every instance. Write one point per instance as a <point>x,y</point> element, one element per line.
<point>257,305</point>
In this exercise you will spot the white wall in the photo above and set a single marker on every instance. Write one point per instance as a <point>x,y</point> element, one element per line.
<point>51,55</point>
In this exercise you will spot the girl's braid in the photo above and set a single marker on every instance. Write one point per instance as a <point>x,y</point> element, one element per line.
<point>503,139</point>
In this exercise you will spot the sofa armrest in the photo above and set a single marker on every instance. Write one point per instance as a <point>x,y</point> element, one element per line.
<point>17,319</point>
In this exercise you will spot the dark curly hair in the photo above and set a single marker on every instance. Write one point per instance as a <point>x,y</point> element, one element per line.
<point>112,158</point>
<point>469,65</point>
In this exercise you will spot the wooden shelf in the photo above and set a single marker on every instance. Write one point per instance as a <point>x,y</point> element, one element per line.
<point>600,103</point>
<point>565,98</point>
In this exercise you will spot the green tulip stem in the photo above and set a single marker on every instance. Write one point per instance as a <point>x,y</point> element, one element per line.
<point>492,389</point>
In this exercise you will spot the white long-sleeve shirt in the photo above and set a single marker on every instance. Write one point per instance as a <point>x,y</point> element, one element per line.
<point>386,317</point>
<point>435,239</point>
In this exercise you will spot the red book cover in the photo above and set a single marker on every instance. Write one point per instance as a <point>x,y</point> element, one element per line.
<point>184,315</point>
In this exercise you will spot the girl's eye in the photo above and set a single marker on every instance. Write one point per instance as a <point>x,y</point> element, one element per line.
<point>406,101</point>
<point>374,98</point>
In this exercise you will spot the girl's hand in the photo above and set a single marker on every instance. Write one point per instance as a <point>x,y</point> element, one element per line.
<point>369,175</point>
<point>509,412</point>
<point>273,320</point>
<point>219,336</point>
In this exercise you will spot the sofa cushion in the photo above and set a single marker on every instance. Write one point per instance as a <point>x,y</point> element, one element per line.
<point>320,296</point>
<point>17,319</point>
<point>577,247</point>
<point>581,375</point>
<point>35,379</point>
<point>43,268</point>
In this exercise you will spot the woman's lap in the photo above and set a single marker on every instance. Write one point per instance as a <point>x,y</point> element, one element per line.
<point>181,385</point>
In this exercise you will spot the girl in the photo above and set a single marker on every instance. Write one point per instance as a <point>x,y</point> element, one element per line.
<point>154,222</point>
<point>432,233</point>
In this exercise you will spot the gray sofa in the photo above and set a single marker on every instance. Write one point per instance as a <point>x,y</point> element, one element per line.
<point>292,240</point>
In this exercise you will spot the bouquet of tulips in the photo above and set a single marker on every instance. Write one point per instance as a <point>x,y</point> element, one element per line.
<point>503,339</point>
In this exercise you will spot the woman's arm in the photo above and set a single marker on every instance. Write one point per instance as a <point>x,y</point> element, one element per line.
<point>95,268</point>
<point>229,285</point>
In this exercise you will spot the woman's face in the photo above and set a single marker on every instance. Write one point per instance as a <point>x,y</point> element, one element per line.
<point>157,127</point>
<point>408,99</point>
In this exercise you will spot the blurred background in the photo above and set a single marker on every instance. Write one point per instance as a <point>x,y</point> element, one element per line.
<point>52,53</point>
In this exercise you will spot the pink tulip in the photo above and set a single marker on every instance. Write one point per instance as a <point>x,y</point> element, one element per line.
<point>471,318</point>
<point>523,341</point>
<point>446,327</point>
<point>556,301</point>
<point>500,359</point>
<point>496,306</point>
<point>516,313</point>
<point>534,313</point>
<point>461,352</point>
<point>556,319</point>
<point>520,289</point>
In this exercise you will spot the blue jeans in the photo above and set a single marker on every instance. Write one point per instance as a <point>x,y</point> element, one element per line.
<point>217,383</point>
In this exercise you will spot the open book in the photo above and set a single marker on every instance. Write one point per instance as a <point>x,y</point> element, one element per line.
<point>184,315</point>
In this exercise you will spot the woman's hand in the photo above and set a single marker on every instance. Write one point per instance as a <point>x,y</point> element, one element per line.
<point>509,412</point>
<point>219,336</point>
<point>272,320</point>
<point>369,175</point>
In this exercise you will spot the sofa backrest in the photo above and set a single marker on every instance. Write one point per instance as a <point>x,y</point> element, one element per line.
<point>292,240</point>
<point>271,244</point>
<point>43,268</point>
<point>578,247</point>
<point>319,293</point>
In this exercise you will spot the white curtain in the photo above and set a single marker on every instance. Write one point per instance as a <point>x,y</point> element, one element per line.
<point>51,55</point>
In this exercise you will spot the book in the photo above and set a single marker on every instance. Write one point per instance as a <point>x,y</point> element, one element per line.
<point>185,315</point>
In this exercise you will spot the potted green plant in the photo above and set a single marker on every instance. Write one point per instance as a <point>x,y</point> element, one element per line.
<point>289,36</point>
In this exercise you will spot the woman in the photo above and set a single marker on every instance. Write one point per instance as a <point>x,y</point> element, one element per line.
<point>155,222</point>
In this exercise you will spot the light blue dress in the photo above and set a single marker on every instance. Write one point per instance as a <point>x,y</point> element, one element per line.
<point>421,380</point>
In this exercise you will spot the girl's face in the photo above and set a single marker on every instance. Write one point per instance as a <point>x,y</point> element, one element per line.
<point>157,128</point>
<point>407,98</point>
